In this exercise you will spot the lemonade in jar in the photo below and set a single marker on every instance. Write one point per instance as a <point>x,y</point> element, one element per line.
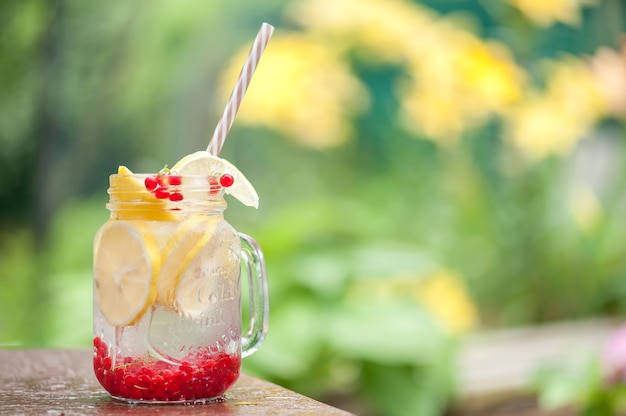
<point>167,291</point>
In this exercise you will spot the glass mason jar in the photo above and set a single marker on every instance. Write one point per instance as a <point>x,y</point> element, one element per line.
<point>167,297</point>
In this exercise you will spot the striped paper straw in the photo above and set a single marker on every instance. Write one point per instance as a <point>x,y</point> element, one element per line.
<point>226,121</point>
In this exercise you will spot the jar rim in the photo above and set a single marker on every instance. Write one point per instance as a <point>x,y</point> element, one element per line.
<point>155,174</point>
<point>136,188</point>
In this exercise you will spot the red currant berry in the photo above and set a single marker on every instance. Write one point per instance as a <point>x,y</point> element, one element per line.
<point>97,341</point>
<point>130,380</point>
<point>214,185</point>
<point>227,180</point>
<point>171,388</point>
<point>162,193</point>
<point>151,183</point>
<point>186,367</point>
<point>135,394</point>
<point>176,196</point>
<point>158,381</point>
<point>162,179</point>
<point>175,180</point>
<point>119,374</point>
<point>101,375</point>
<point>144,380</point>
<point>102,350</point>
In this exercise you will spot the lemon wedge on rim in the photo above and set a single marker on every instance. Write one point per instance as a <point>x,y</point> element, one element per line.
<point>204,163</point>
<point>126,266</point>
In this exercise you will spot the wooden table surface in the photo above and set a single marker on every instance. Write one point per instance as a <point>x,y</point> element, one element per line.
<point>61,383</point>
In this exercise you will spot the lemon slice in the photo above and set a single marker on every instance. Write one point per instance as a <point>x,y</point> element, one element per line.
<point>127,189</point>
<point>126,267</point>
<point>181,248</point>
<point>204,163</point>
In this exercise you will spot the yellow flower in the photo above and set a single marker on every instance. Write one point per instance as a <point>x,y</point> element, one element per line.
<point>455,81</point>
<point>431,110</point>
<point>546,12</point>
<point>382,27</point>
<point>457,85</point>
<point>441,292</point>
<point>305,90</point>
<point>445,296</point>
<point>541,127</point>
<point>609,68</point>
<point>301,89</point>
<point>489,73</point>
<point>552,122</point>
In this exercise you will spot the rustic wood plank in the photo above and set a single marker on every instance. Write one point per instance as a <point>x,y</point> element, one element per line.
<point>61,383</point>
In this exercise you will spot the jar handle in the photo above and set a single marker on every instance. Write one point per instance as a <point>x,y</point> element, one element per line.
<point>254,266</point>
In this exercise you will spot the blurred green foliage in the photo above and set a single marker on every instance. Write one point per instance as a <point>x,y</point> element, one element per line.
<point>395,216</point>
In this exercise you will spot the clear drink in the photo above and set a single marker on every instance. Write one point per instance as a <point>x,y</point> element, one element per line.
<point>167,291</point>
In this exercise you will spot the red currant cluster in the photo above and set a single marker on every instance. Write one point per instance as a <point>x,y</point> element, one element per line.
<point>202,375</point>
<point>165,185</point>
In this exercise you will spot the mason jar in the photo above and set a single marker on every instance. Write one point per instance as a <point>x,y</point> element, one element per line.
<point>167,269</point>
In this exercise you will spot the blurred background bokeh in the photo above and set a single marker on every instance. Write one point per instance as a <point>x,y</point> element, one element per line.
<point>427,170</point>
